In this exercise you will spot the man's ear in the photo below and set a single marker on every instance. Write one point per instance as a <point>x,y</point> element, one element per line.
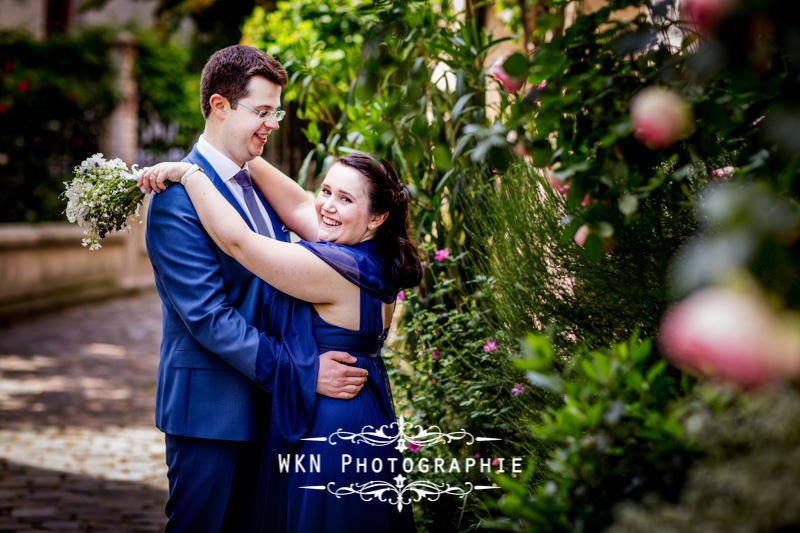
<point>219,105</point>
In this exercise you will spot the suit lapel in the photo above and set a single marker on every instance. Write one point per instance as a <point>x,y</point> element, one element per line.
<point>197,158</point>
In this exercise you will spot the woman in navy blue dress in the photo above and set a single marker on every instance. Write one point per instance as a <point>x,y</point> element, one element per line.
<point>326,471</point>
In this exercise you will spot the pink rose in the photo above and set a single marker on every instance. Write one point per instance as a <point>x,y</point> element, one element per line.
<point>510,84</point>
<point>660,117</point>
<point>730,335</point>
<point>705,15</point>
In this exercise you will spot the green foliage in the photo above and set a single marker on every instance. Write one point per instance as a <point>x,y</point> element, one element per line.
<point>611,438</point>
<point>447,373</point>
<point>579,123</point>
<point>54,97</point>
<point>748,476</point>
<point>57,95</point>
<point>320,46</point>
<point>168,95</point>
<point>546,283</point>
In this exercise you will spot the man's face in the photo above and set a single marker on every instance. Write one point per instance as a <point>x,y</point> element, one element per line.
<point>243,132</point>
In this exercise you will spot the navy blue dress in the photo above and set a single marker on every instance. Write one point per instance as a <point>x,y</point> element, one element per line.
<point>331,480</point>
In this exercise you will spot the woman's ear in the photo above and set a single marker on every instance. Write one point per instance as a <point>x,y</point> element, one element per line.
<point>219,105</point>
<point>376,220</point>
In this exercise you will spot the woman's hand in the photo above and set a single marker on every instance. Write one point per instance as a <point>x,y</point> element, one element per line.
<point>153,179</point>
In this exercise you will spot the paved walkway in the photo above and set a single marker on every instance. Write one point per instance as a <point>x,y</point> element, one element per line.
<point>78,447</point>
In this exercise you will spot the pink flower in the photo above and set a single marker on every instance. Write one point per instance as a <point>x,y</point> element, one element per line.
<point>435,353</point>
<point>510,84</point>
<point>580,235</point>
<point>490,346</point>
<point>495,461</point>
<point>477,456</point>
<point>706,15</point>
<point>401,295</point>
<point>542,85</point>
<point>560,186</point>
<point>442,254</point>
<point>660,117</point>
<point>414,446</point>
<point>722,174</point>
<point>518,389</point>
<point>730,335</point>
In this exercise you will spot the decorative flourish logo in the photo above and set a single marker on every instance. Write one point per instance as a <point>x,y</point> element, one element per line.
<point>404,437</point>
<point>407,433</point>
<point>399,494</point>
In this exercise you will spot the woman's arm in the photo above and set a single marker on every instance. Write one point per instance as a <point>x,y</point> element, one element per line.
<point>293,204</point>
<point>288,267</point>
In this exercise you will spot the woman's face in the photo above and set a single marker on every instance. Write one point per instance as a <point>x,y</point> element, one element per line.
<point>343,207</point>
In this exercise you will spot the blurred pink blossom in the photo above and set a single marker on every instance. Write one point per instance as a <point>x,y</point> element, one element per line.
<point>442,254</point>
<point>660,117</point>
<point>518,389</point>
<point>401,295</point>
<point>490,346</point>
<point>414,446</point>
<point>730,335</point>
<point>435,353</point>
<point>581,234</point>
<point>705,15</point>
<point>510,84</point>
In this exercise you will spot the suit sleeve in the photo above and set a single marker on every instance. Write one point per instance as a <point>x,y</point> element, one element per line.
<point>187,264</point>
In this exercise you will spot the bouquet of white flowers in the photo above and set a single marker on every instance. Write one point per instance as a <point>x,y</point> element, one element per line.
<point>101,197</point>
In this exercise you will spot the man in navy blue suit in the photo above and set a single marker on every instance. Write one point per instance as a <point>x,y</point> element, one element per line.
<point>215,418</point>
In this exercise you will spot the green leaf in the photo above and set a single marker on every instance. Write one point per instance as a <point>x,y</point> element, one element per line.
<point>516,65</point>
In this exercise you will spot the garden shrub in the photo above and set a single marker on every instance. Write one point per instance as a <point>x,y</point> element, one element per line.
<point>56,97</point>
<point>748,476</point>
<point>451,369</point>
<point>613,437</point>
<point>544,282</point>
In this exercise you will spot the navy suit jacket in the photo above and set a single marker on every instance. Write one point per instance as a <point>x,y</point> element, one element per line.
<point>213,323</point>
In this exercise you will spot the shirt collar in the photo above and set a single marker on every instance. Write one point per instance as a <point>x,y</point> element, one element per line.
<point>222,164</point>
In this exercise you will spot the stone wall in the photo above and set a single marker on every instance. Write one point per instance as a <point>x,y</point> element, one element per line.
<point>44,267</point>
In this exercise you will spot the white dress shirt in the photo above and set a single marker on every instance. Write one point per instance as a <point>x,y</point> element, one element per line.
<point>227,169</point>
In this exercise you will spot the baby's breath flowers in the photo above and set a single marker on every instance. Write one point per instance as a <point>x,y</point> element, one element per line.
<point>101,197</point>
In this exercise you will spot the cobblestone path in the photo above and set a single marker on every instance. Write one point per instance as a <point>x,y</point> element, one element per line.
<point>78,447</point>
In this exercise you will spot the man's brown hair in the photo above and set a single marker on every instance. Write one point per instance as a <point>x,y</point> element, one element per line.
<point>228,71</point>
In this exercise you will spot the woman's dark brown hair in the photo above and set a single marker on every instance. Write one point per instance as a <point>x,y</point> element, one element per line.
<point>387,194</point>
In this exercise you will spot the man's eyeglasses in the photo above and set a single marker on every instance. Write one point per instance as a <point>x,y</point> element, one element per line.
<point>278,113</point>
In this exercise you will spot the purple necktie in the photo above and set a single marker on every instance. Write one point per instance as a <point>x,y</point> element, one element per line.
<point>243,179</point>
